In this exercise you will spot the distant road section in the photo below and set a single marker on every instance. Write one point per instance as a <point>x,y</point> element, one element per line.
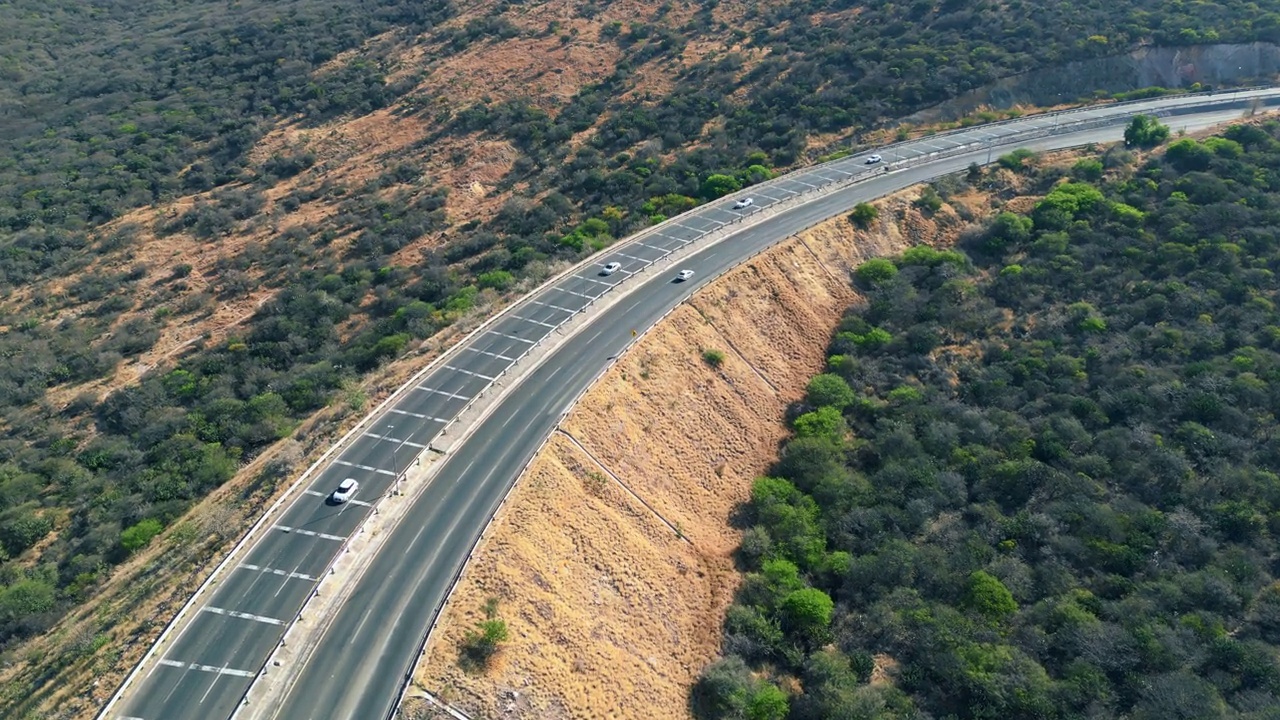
<point>205,667</point>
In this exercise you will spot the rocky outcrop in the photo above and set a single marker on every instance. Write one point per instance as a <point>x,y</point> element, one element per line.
<point>1171,67</point>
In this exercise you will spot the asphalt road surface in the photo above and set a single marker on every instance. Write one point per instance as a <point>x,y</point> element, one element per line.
<point>356,671</point>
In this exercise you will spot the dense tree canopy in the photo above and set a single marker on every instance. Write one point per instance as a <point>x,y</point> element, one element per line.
<point>1055,492</point>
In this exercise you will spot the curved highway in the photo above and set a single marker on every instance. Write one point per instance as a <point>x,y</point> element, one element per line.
<point>358,668</point>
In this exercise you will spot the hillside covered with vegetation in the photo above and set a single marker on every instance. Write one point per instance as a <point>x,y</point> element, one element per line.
<point>145,192</point>
<point>1040,476</point>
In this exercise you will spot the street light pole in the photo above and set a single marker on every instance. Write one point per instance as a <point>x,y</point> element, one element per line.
<point>395,465</point>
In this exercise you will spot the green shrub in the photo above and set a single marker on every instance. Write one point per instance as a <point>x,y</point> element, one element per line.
<point>1016,160</point>
<point>829,390</point>
<point>1087,169</point>
<point>496,279</point>
<point>876,271</point>
<point>929,200</point>
<point>718,185</point>
<point>823,422</point>
<point>139,536</point>
<point>985,594</point>
<point>863,215</point>
<point>1145,131</point>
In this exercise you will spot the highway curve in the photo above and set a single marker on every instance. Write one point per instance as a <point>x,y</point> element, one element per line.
<point>358,668</point>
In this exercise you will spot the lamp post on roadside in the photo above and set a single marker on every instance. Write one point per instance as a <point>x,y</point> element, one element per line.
<point>395,465</point>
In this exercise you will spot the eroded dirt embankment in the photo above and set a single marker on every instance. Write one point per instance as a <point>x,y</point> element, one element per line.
<point>611,612</point>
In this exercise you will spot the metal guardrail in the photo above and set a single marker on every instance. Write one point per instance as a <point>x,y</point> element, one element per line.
<point>1070,111</point>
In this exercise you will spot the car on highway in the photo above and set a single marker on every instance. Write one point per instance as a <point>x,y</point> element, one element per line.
<point>345,490</point>
<point>874,159</point>
<point>744,203</point>
<point>684,275</point>
<point>611,268</point>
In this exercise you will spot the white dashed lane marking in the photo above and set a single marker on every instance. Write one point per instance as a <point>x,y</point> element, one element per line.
<point>398,441</point>
<point>311,533</point>
<point>282,573</point>
<point>426,389</point>
<point>468,372</point>
<point>242,616</point>
<point>207,668</point>
<point>420,416</point>
<point>531,320</point>
<point>665,252</point>
<point>365,467</point>
<point>510,337</point>
<point>490,354</point>
<point>557,287</point>
<point>553,307</point>
<point>317,493</point>
<point>598,282</point>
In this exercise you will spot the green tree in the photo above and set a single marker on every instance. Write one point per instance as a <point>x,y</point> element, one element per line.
<point>1188,155</point>
<point>26,598</point>
<point>1088,169</point>
<point>781,577</point>
<point>767,702</point>
<point>139,536</point>
<point>499,280</point>
<point>23,527</point>
<point>1007,230</point>
<point>723,689</point>
<point>1145,131</point>
<point>876,271</point>
<point>985,594</point>
<point>1066,203</point>
<point>807,612</point>
<point>824,422</point>
<point>718,185</point>
<point>829,390</point>
<point>758,174</point>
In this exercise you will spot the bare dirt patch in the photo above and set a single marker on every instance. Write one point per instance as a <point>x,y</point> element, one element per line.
<point>632,629</point>
<point>610,613</point>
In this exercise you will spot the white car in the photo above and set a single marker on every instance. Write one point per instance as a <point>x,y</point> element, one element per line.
<point>611,268</point>
<point>345,491</point>
<point>874,159</point>
<point>684,275</point>
<point>744,203</point>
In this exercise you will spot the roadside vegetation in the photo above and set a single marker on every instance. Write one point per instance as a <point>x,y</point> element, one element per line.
<point>1039,477</point>
<point>480,645</point>
<point>130,106</point>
